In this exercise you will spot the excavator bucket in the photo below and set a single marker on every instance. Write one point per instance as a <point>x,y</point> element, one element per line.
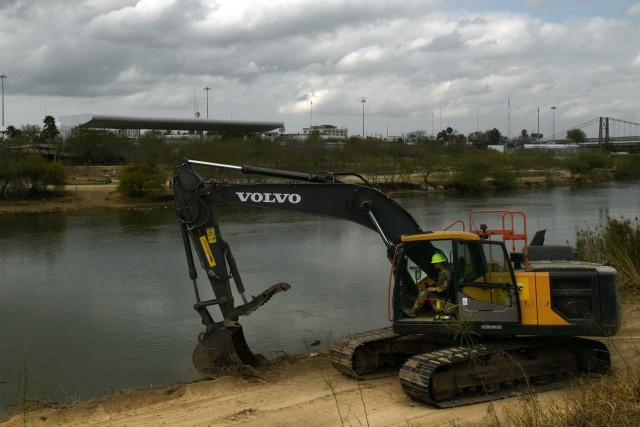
<point>224,351</point>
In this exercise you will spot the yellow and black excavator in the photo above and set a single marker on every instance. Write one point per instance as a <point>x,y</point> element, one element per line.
<point>513,317</point>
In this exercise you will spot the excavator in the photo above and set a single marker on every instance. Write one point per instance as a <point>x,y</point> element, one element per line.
<point>516,316</point>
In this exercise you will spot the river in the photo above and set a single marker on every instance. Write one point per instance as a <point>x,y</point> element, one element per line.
<point>93,302</point>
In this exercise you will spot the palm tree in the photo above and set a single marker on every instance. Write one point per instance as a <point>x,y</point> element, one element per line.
<point>50,130</point>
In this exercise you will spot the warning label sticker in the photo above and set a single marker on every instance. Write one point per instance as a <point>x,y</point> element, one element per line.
<point>211,235</point>
<point>207,251</point>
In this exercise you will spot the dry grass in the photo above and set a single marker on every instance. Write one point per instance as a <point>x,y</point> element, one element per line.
<point>617,243</point>
<point>612,401</point>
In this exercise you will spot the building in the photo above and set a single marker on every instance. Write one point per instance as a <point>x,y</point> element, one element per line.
<point>134,126</point>
<point>327,130</point>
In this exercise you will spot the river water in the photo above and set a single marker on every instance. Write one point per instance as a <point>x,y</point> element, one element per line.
<point>96,301</point>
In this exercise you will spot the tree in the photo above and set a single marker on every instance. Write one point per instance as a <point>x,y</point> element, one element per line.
<point>576,135</point>
<point>39,174</point>
<point>12,132</point>
<point>8,171</point>
<point>444,135</point>
<point>50,130</point>
<point>98,147</point>
<point>30,133</point>
<point>494,137</point>
<point>136,179</point>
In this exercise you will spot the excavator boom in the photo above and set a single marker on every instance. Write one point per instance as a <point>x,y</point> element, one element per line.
<point>222,348</point>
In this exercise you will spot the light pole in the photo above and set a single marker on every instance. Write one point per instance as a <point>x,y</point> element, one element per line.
<point>553,133</point>
<point>363,100</point>
<point>311,123</point>
<point>2,77</point>
<point>207,89</point>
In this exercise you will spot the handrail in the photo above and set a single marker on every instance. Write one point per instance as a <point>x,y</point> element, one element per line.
<point>454,223</point>
<point>508,230</point>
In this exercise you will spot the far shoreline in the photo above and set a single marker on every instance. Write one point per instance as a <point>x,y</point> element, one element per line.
<point>83,197</point>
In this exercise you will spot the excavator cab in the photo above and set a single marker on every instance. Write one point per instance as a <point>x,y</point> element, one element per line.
<point>482,287</point>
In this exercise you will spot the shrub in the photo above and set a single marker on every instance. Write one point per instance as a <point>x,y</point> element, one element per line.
<point>618,243</point>
<point>470,177</point>
<point>504,178</point>
<point>136,179</point>
<point>36,174</point>
<point>625,167</point>
<point>585,162</point>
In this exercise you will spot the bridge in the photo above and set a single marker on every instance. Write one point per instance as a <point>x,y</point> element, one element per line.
<point>613,134</point>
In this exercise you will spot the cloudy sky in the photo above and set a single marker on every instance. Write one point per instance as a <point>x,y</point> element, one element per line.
<point>420,64</point>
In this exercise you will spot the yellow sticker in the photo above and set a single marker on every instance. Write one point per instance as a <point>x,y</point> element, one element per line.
<point>211,235</point>
<point>207,251</point>
<point>523,288</point>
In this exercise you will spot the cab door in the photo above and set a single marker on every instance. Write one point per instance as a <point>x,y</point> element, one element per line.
<point>486,286</point>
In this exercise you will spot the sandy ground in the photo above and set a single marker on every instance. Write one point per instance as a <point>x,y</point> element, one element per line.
<point>304,390</point>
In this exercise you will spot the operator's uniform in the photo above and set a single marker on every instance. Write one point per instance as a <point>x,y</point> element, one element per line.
<point>441,285</point>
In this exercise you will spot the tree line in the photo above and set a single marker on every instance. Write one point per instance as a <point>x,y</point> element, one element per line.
<point>463,163</point>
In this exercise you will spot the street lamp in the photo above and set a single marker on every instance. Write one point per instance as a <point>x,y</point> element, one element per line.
<point>363,100</point>
<point>207,89</point>
<point>553,109</point>
<point>2,77</point>
<point>311,123</point>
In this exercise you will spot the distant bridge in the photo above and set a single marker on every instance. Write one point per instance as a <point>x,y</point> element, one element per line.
<point>613,134</point>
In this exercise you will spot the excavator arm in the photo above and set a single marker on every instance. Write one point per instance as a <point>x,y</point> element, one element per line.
<point>222,348</point>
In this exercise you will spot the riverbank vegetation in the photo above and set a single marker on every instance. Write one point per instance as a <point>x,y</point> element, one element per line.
<point>456,166</point>
<point>616,243</point>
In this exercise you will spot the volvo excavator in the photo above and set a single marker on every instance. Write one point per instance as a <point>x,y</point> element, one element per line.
<point>515,317</point>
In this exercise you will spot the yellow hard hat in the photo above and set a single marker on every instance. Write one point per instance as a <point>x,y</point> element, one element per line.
<point>438,258</point>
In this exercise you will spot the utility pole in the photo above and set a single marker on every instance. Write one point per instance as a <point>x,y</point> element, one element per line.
<point>553,133</point>
<point>432,124</point>
<point>363,100</point>
<point>508,118</point>
<point>207,89</point>
<point>2,77</point>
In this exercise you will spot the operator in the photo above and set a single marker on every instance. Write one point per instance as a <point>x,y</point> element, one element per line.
<point>437,289</point>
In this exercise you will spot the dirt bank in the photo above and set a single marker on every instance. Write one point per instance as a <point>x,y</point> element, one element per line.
<point>84,197</point>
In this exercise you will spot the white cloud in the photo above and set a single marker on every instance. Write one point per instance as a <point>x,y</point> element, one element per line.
<point>633,10</point>
<point>267,60</point>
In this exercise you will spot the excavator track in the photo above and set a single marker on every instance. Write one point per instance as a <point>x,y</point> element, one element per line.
<point>380,352</point>
<point>464,375</point>
<point>353,354</point>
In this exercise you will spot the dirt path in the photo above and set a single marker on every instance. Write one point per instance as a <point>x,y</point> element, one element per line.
<point>295,394</point>
<point>298,391</point>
